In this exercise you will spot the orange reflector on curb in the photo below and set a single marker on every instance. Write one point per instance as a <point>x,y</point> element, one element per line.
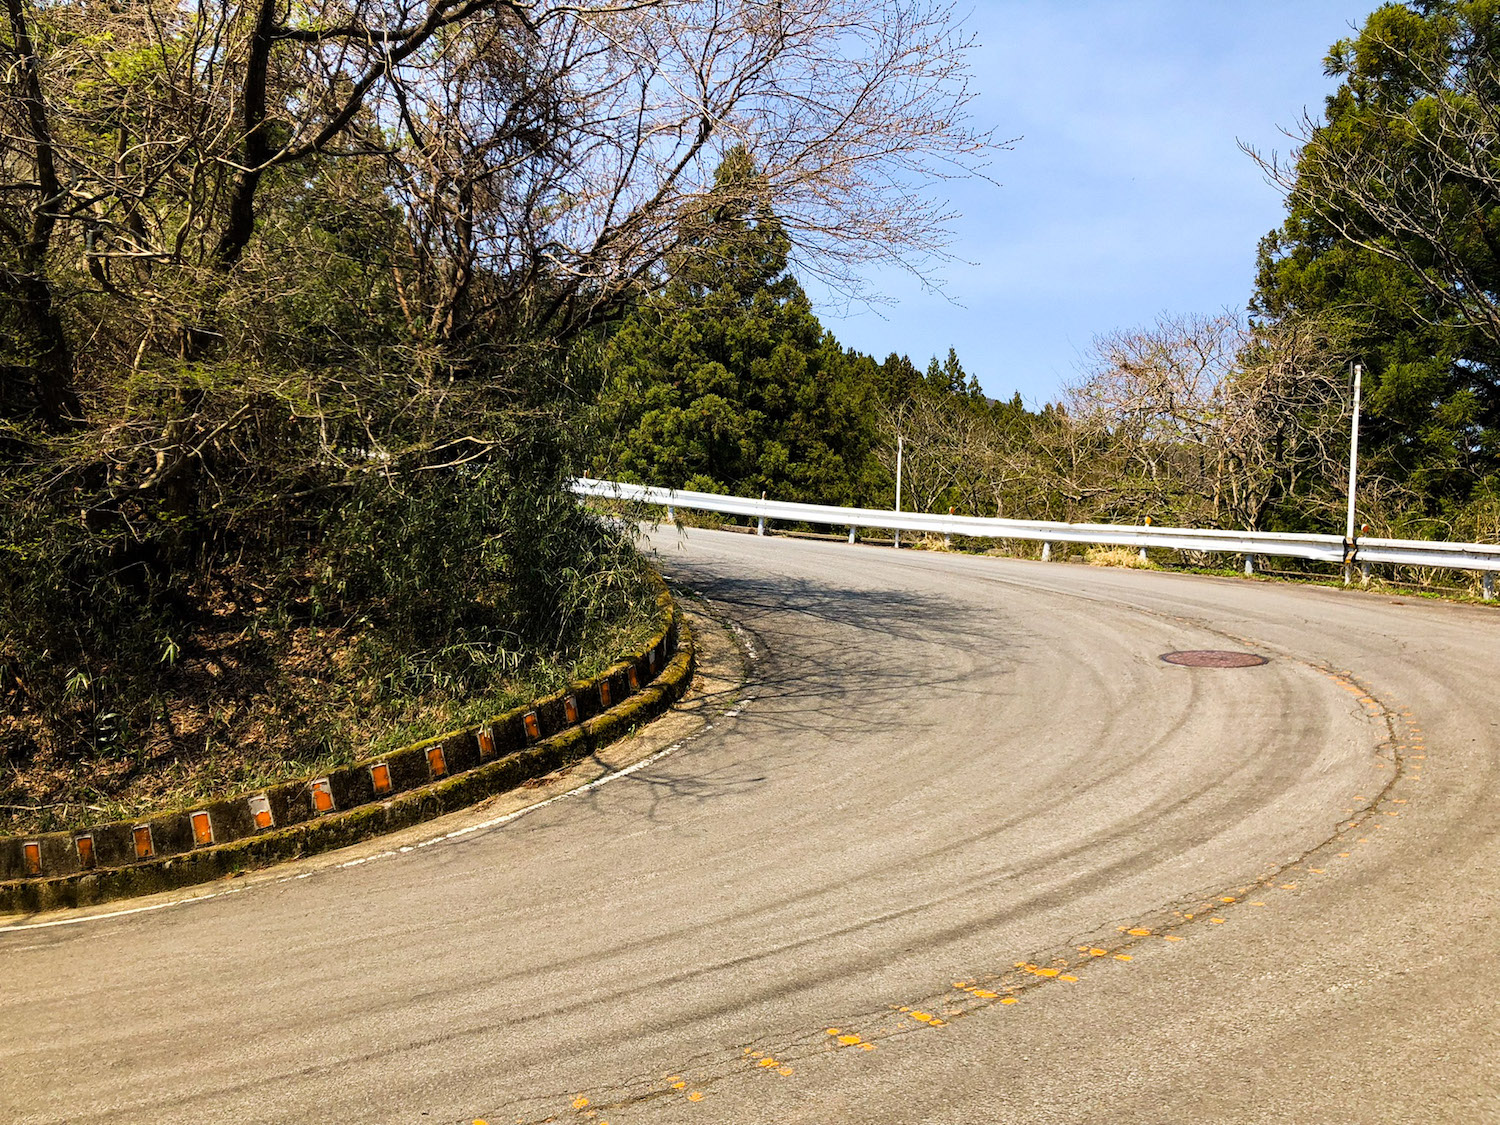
<point>570,708</point>
<point>635,680</point>
<point>322,795</point>
<point>203,829</point>
<point>145,847</point>
<point>85,846</point>
<point>486,739</point>
<point>436,762</point>
<point>605,694</point>
<point>533,727</point>
<point>380,777</point>
<point>260,812</point>
<point>31,853</point>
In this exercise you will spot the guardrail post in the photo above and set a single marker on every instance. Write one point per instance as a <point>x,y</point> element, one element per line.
<point>760,527</point>
<point>1487,585</point>
<point>851,536</point>
<point>671,514</point>
<point>1143,555</point>
<point>1364,574</point>
<point>1046,552</point>
<point>1249,564</point>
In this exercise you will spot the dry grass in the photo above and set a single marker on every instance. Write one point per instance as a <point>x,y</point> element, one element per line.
<point>1129,557</point>
<point>925,542</point>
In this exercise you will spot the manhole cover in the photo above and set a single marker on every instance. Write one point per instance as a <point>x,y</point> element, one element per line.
<point>1214,658</point>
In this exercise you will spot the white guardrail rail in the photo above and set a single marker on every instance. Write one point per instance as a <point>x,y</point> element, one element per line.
<point>1483,557</point>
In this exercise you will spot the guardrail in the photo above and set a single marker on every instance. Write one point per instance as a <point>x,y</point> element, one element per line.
<point>1482,557</point>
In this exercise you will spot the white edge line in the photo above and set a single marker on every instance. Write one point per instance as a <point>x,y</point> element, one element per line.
<point>625,771</point>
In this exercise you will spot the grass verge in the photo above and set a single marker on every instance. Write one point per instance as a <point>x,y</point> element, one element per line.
<point>327,698</point>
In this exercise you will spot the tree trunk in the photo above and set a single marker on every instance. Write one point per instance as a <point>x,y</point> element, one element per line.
<point>240,223</point>
<point>43,388</point>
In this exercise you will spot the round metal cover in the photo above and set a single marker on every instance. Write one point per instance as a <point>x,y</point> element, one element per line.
<point>1214,658</point>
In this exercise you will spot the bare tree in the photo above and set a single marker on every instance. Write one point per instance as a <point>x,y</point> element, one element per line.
<point>559,151</point>
<point>1204,419</point>
<point>591,152</point>
<point>941,449</point>
<point>1285,423</point>
<point>1154,400</point>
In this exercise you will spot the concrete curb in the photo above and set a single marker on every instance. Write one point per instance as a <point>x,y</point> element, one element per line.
<point>369,798</point>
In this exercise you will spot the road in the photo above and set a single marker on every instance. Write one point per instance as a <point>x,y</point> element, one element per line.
<point>964,849</point>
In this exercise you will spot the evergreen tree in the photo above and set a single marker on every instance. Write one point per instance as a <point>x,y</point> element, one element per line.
<point>1393,229</point>
<point>725,380</point>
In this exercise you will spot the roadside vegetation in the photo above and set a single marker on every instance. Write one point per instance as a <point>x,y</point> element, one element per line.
<point>1389,255</point>
<point>307,315</point>
<point>299,316</point>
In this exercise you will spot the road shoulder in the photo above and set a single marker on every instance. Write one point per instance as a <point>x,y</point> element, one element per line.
<point>718,680</point>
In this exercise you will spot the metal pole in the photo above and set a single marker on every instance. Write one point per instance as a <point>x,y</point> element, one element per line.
<point>898,487</point>
<point>1353,476</point>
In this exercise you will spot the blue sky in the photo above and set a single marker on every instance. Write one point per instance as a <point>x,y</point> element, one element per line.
<point>1127,195</point>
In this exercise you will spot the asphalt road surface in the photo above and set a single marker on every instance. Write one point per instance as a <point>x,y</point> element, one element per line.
<point>964,849</point>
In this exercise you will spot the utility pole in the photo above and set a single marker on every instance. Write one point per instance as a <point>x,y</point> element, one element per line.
<point>898,486</point>
<point>1353,477</point>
